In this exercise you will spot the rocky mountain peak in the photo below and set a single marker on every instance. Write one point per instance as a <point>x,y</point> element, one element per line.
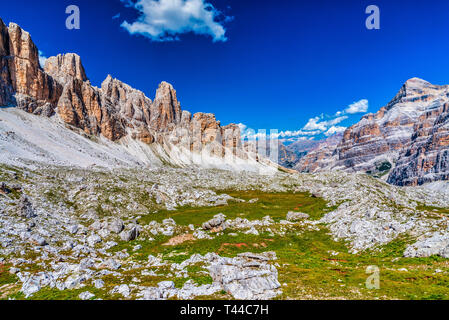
<point>21,45</point>
<point>415,88</point>
<point>165,89</point>
<point>65,67</point>
<point>416,83</point>
<point>116,111</point>
<point>166,108</point>
<point>22,80</point>
<point>131,104</point>
<point>406,142</point>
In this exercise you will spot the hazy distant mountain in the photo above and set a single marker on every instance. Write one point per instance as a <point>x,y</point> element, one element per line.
<point>405,142</point>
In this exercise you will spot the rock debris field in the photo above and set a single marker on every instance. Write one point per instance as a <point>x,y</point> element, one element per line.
<point>92,233</point>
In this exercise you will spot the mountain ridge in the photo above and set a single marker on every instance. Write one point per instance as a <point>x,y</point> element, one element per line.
<point>406,142</point>
<point>115,110</point>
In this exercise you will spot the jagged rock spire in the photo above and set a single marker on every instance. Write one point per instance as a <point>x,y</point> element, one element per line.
<point>166,108</point>
<point>65,67</point>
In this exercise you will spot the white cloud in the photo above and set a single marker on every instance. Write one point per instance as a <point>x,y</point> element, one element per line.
<point>357,107</point>
<point>42,59</point>
<point>251,134</point>
<point>329,126</point>
<point>164,20</point>
<point>333,130</point>
<point>316,124</point>
<point>322,124</point>
<point>297,133</point>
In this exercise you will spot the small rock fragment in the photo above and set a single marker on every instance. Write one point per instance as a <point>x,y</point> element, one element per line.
<point>295,216</point>
<point>86,295</point>
<point>216,222</point>
<point>130,235</point>
<point>25,208</point>
<point>116,226</point>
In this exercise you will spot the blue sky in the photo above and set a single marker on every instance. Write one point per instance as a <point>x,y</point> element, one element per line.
<point>287,64</point>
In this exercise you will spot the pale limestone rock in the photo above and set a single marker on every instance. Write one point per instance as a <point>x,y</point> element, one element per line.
<point>65,67</point>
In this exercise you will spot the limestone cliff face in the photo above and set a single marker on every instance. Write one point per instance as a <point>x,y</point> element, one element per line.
<point>22,80</point>
<point>65,67</point>
<point>6,89</point>
<point>427,157</point>
<point>114,111</point>
<point>166,109</point>
<point>406,142</point>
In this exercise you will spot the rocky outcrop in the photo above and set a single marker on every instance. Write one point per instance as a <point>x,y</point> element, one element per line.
<point>6,89</point>
<point>114,111</point>
<point>405,142</point>
<point>427,157</point>
<point>81,106</point>
<point>248,276</point>
<point>166,109</point>
<point>22,81</point>
<point>65,67</point>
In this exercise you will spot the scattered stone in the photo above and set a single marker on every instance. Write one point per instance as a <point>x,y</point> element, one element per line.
<point>86,295</point>
<point>113,264</point>
<point>73,229</point>
<point>296,216</point>
<point>247,277</point>
<point>200,234</point>
<point>4,188</point>
<point>30,287</point>
<point>130,235</point>
<point>151,293</point>
<point>435,244</point>
<point>123,290</point>
<point>252,231</point>
<point>99,283</point>
<point>116,226</point>
<point>96,226</point>
<point>74,281</point>
<point>38,240</point>
<point>14,270</point>
<point>154,261</point>
<point>216,222</point>
<point>164,285</point>
<point>104,233</point>
<point>25,208</point>
<point>93,240</point>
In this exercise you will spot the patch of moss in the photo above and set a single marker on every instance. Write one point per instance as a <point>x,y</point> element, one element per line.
<point>275,205</point>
